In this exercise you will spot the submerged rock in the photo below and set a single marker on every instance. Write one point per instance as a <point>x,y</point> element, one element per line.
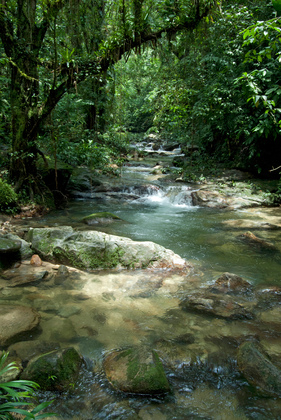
<point>62,274</point>
<point>223,307</point>
<point>258,369</point>
<point>57,370</point>
<point>249,224</point>
<point>231,283</point>
<point>94,250</point>
<point>16,322</point>
<point>24,274</point>
<point>269,297</point>
<point>252,239</point>
<point>137,371</point>
<point>103,217</point>
<point>26,350</point>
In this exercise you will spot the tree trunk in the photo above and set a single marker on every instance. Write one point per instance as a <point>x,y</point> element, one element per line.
<point>24,99</point>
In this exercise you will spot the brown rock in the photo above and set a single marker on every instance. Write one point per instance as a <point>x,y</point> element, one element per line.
<point>16,322</point>
<point>231,283</point>
<point>252,239</point>
<point>258,369</point>
<point>224,307</point>
<point>36,260</point>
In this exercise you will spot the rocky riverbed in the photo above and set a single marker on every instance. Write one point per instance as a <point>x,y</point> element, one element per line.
<point>173,330</point>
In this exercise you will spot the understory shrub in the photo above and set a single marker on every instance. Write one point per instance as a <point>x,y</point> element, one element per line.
<point>8,197</point>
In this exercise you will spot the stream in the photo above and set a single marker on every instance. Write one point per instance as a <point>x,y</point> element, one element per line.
<point>104,310</point>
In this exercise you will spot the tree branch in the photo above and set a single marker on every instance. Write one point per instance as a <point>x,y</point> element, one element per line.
<point>115,53</point>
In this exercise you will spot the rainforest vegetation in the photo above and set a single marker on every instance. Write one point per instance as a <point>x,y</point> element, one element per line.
<point>82,79</point>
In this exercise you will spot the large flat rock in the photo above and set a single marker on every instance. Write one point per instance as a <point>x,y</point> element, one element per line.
<point>16,322</point>
<point>98,250</point>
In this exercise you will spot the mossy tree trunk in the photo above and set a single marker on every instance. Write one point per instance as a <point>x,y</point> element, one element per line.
<point>24,99</point>
<point>22,34</point>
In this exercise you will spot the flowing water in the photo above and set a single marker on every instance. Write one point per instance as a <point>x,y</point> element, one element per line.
<point>101,311</point>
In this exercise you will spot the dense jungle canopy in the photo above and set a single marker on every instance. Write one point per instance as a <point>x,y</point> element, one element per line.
<point>80,79</point>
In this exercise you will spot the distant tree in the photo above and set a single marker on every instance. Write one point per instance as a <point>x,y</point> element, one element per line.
<point>45,58</point>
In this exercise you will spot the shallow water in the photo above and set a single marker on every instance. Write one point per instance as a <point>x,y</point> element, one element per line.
<point>101,311</point>
<point>200,235</point>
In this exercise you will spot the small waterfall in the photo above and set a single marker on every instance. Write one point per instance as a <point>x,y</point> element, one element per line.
<point>178,196</point>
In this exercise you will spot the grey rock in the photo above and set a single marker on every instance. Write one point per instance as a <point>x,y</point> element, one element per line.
<point>92,250</point>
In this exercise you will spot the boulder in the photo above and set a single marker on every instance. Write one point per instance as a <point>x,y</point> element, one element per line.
<point>25,249</point>
<point>24,274</point>
<point>211,199</point>
<point>95,250</point>
<point>9,245</point>
<point>208,196</point>
<point>218,306</point>
<point>137,371</point>
<point>258,369</point>
<point>9,252</point>
<point>25,350</point>
<point>16,322</point>
<point>231,283</point>
<point>102,217</point>
<point>46,239</point>
<point>56,370</point>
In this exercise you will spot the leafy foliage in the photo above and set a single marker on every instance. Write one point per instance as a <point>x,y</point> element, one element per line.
<point>8,197</point>
<point>218,86</point>
<point>14,395</point>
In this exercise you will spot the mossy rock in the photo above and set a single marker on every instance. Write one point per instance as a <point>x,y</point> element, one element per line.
<point>102,217</point>
<point>258,369</point>
<point>136,371</point>
<point>44,240</point>
<point>98,250</point>
<point>57,370</point>
<point>9,245</point>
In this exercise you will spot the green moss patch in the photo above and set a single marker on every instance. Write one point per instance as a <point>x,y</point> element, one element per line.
<point>57,370</point>
<point>136,370</point>
<point>102,217</point>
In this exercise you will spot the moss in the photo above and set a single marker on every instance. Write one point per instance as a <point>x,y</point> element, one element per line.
<point>101,215</point>
<point>148,377</point>
<point>83,259</point>
<point>67,365</point>
<point>55,370</point>
<point>8,198</point>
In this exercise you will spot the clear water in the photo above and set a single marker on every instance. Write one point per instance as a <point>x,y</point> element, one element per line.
<point>98,312</point>
<point>200,235</point>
